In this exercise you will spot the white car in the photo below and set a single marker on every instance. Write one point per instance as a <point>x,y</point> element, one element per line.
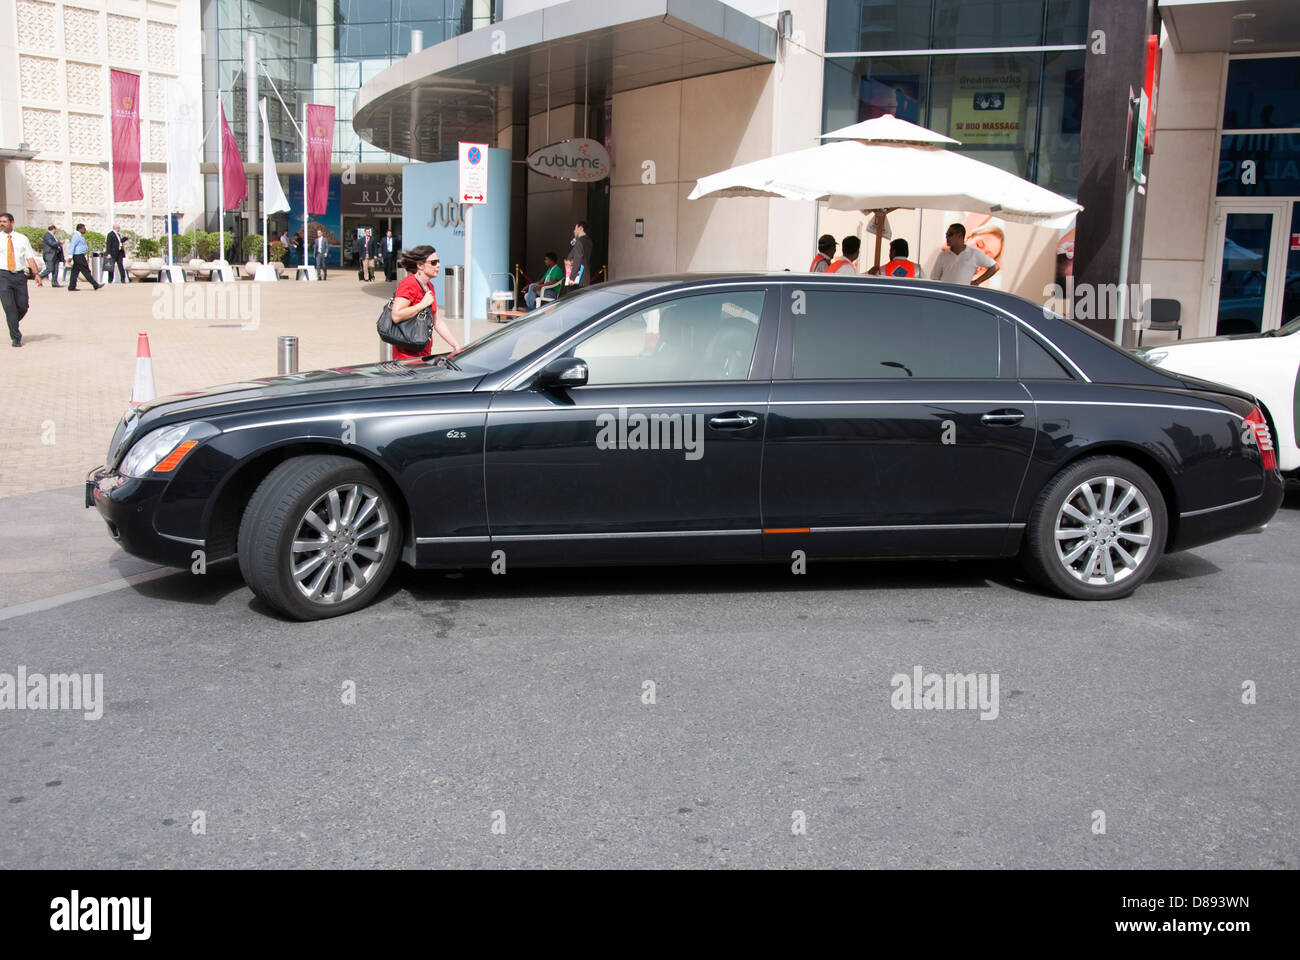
<point>1264,364</point>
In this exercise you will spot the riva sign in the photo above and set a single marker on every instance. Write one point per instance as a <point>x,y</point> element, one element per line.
<point>583,160</point>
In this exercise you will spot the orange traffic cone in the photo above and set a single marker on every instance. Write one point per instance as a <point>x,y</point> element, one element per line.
<point>143,389</point>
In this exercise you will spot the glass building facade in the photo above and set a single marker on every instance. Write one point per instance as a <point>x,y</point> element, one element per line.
<point>322,51</point>
<point>1004,77</point>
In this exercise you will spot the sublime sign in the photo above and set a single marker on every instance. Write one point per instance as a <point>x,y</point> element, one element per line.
<point>583,160</point>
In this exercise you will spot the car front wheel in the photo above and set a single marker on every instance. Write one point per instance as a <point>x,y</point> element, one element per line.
<point>1097,530</point>
<point>320,537</point>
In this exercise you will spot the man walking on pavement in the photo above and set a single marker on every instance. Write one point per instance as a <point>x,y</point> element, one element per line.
<point>580,254</point>
<point>322,252</point>
<point>80,249</point>
<point>16,258</point>
<point>116,254</point>
<point>389,251</point>
<point>362,250</point>
<point>53,254</point>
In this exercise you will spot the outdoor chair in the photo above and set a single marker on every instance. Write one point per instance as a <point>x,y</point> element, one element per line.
<point>1161,314</point>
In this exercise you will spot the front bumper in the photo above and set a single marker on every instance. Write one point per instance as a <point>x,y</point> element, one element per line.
<point>129,507</point>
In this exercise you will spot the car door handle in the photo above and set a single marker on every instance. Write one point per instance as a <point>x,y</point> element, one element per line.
<point>733,421</point>
<point>1003,418</point>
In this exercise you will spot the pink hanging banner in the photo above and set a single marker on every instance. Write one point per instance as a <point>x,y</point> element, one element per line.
<point>320,148</point>
<point>124,94</point>
<point>232,174</point>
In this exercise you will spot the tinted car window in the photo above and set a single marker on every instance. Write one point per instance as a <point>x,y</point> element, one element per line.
<point>1036,363</point>
<point>705,337</point>
<point>516,340</point>
<point>880,336</point>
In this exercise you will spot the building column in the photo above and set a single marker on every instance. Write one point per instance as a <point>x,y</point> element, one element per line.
<point>1124,26</point>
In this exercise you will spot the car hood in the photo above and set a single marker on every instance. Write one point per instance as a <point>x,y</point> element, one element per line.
<point>312,386</point>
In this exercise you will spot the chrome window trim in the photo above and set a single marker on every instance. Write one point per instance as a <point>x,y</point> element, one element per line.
<point>637,403</point>
<point>919,285</point>
<point>909,400</point>
<point>524,374</point>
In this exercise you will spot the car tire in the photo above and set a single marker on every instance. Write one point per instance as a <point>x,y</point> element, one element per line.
<point>320,537</point>
<point>1097,530</point>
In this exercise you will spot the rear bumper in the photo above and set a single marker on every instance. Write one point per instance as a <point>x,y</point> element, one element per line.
<point>128,507</point>
<point>1206,526</point>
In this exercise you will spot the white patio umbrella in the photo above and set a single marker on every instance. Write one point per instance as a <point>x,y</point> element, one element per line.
<point>885,164</point>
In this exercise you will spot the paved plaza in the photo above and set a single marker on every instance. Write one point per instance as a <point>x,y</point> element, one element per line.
<point>64,389</point>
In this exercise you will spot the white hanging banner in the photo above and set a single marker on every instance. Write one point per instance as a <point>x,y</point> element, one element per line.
<point>184,137</point>
<point>273,198</point>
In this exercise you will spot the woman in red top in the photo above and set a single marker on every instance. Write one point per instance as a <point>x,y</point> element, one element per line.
<point>414,293</point>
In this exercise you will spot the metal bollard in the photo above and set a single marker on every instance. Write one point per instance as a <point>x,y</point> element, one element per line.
<point>288,355</point>
<point>385,351</point>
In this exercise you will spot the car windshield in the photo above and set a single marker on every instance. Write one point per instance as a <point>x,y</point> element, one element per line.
<point>514,341</point>
<point>1288,328</point>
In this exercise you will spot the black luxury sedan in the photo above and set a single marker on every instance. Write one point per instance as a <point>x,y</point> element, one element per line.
<point>698,419</point>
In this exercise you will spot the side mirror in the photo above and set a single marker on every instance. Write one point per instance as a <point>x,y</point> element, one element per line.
<point>563,373</point>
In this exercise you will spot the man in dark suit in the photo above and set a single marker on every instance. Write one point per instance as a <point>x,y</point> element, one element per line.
<point>580,254</point>
<point>322,249</point>
<point>361,250</point>
<point>116,254</point>
<point>388,249</point>
<point>52,252</point>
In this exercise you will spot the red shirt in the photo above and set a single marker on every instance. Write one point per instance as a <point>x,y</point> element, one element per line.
<point>411,290</point>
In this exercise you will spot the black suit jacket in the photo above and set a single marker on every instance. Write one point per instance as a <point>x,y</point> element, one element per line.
<point>113,245</point>
<point>51,247</point>
<point>580,253</point>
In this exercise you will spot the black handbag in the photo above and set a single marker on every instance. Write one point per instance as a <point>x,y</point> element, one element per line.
<point>411,334</point>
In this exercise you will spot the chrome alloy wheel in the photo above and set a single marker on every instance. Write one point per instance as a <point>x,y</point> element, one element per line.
<point>1103,530</point>
<point>340,543</point>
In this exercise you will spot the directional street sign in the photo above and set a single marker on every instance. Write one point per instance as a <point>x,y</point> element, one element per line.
<point>473,172</point>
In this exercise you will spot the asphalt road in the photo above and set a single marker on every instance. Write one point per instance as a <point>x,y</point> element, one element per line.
<point>517,700</point>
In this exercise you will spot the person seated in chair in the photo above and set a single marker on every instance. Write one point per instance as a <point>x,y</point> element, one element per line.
<point>550,281</point>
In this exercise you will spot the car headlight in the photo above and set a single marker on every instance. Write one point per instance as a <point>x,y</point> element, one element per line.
<point>161,450</point>
<point>1155,357</point>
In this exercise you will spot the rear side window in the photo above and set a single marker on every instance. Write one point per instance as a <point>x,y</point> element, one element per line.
<point>1036,363</point>
<point>882,336</point>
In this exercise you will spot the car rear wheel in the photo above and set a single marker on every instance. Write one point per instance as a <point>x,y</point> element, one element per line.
<point>1097,530</point>
<point>320,537</point>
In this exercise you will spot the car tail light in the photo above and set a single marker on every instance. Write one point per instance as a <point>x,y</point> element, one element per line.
<point>1263,439</point>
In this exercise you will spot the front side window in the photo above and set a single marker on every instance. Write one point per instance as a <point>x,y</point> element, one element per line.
<point>882,336</point>
<point>695,338</point>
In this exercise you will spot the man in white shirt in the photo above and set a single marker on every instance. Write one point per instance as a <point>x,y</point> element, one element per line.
<point>959,262</point>
<point>16,258</point>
